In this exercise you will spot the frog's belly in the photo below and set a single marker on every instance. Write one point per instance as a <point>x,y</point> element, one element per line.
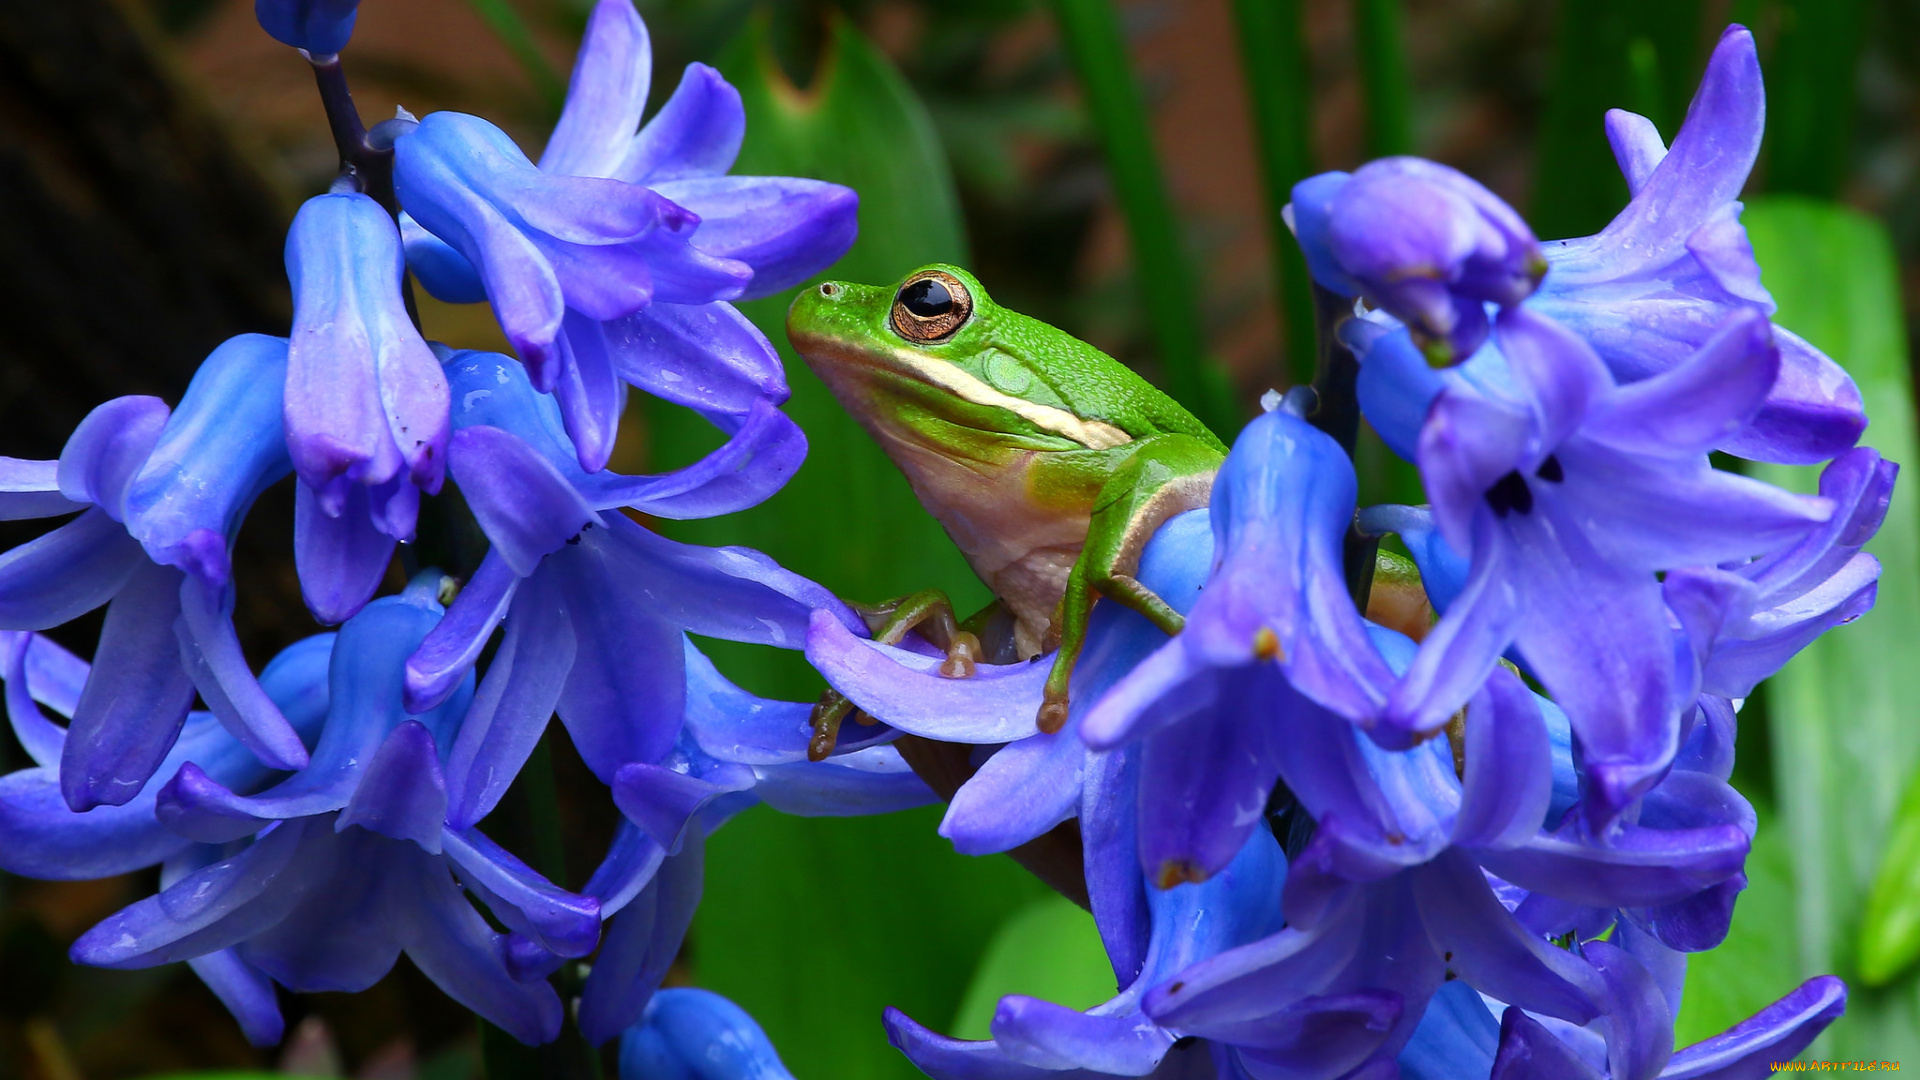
<point>1022,549</point>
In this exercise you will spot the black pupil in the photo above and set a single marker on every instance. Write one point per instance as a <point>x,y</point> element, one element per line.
<point>928,298</point>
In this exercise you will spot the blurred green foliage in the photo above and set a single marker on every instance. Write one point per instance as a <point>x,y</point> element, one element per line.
<point>1844,742</point>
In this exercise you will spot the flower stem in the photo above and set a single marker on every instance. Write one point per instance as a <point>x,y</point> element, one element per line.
<point>1336,411</point>
<point>1275,67</point>
<point>367,161</point>
<point>1099,55</point>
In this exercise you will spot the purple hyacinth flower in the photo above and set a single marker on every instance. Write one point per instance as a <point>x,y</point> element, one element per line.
<point>321,27</point>
<point>1662,279</point>
<point>608,264</point>
<point>593,603</point>
<point>1037,1039</point>
<point>1758,615</point>
<point>1273,634</point>
<point>1425,242</point>
<point>1036,780</point>
<point>734,750</point>
<point>321,881</point>
<point>167,493</point>
<point>692,1034</point>
<point>1637,1043</point>
<point>1570,493</point>
<point>366,402</point>
<point>41,837</point>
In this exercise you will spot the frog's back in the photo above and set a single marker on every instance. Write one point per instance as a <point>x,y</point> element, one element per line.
<point>1093,385</point>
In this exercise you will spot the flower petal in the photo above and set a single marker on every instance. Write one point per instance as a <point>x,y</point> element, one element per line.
<point>1699,403</point>
<point>662,801</point>
<point>401,793</point>
<point>104,452</point>
<point>526,507</point>
<point>515,700</point>
<point>223,446</point>
<point>696,133</point>
<point>210,909</point>
<point>1634,868</point>
<point>454,644</point>
<point>1490,949</point>
<point>66,573</point>
<point>704,356</point>
<point>135,699</point>
<point>452,945</point>
<point>1509,776</point>
<point>605,97</point>
<point>560,921</point>
<point>341,560</point>
<point>1023,790</point>
<point>590,394</point>
<point>246,992</point>
<point>756,462</point>
<point>1528,1051</point>
<point>690,1029</point>
<point>905,689</point>
<point>1637,147</point>
<point>1778,1032</point>
<point>640,943</point>
<point>210,652</point>
<point>786,228</point>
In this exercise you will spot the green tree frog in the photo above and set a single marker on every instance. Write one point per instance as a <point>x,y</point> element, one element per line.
<point>1049,463</point>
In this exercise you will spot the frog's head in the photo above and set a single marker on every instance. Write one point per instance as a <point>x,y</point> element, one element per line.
<point>933,351</point>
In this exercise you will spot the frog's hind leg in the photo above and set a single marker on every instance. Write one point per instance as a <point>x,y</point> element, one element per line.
<point>928,611</point>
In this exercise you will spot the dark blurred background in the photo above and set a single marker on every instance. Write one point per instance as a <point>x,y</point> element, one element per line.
<point>152,152</point>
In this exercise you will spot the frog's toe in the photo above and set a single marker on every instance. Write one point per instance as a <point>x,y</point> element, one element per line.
<point>964,653</point>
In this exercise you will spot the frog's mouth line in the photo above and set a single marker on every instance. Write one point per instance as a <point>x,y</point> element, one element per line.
<point>1092,434</point>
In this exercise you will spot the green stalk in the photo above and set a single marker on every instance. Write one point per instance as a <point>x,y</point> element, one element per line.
<point>1276,71</point>
<point>511,29</point>
<point>1099,54</point>
<point>1383,76</point>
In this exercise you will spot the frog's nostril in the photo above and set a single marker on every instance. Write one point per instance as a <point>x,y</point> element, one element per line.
<point>829,290</point>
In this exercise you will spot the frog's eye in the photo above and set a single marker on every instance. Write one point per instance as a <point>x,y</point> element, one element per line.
<point>930,307</point>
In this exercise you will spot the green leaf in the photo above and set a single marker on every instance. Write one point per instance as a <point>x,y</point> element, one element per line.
<point>815,925</point>
<point>1890,931</point>
<point>1845,744</point>
<point>1049,950</point>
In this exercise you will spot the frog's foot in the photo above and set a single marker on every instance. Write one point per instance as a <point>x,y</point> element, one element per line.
<point>963,655</point>
<point>827,715</point>
<point>1053,711</point>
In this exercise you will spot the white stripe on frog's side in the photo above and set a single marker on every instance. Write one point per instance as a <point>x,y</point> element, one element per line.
<point>1092,434</point>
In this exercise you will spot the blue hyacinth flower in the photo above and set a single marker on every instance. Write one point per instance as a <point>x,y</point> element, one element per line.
<point>610,263</point>
<point>321,880</point>
<point>321,27</point>
<point>366,402</point>
<point>163,494</point>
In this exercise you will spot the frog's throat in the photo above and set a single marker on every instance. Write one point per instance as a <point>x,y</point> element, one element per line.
<point>1092,434</point>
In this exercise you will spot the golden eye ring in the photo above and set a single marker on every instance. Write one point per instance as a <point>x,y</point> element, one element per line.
<point>931,307</point>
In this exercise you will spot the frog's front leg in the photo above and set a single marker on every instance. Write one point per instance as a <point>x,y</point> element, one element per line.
<point>1164,475</point>
<point>928,611</point>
